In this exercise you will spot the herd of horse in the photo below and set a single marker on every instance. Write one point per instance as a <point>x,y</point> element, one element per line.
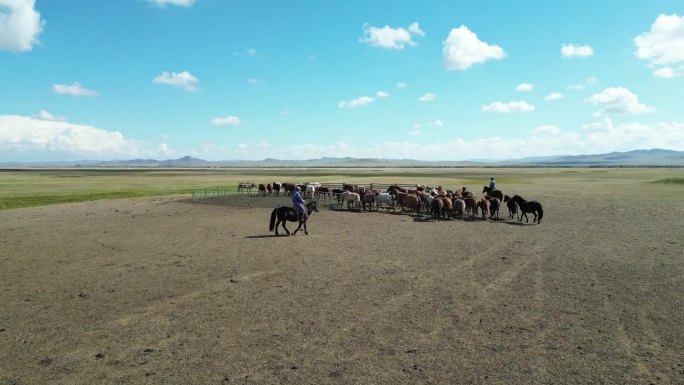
<point>440,204</point>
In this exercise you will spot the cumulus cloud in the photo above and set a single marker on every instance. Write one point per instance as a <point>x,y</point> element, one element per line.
<point>553,96</point>
<point>519,106</point>
<point>463,48</point>
<point>572,50</point>
<point>44,115</point>
<point>358,102</point>
<point>227,121</point>
<point>546,130</point>
<point>183,3</point>
<point>524,87</point>
<point>75,89</point>
<point>663,46</point>
<point>22,133</point>
<point>438,123</point>
<point>429,97</point>
<point>20,25</point>
<point>618,100</point>
<point>391,38</point>
<point>184,80</point>
<point>401,85</point>
<point>382,94</point>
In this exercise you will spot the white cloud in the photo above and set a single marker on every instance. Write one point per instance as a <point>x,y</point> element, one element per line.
<point>183,3</point>
<point>665,72</point>
<point>417,126</point>
<point>618,100</point>
<point>382,94</point>
<point>44,115</point>
<point>184,80</point>
<point>390,38</point>
<point>595,138</point>
<point>438,123</point>
<point>251,52</point>
<point>163,149</point>
<point>553,96</point>
<point>414,28</point>
<point>22,133</point>
<point>524,87</point>
<point>401,85</point>
<point>20,25</point>
<point>519,106</point>
<point>462,49</point>
<point>358,102</point>
<point>429,97</point>
<point>572,50</point>
<point>663,46</point>
<point>75,89</point>
<point>546,130</point>
<point>227,121</point>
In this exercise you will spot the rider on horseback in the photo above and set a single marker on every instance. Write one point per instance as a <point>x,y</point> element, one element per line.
<point>298,202</point>
<point>492,184</point>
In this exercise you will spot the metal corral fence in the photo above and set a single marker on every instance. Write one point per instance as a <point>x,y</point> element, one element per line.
<point>252,197</point>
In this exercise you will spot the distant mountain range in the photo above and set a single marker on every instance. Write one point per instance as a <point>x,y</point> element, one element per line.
<point>654,157</point>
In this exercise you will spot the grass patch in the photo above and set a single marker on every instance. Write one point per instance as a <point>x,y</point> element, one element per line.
<point>44,200</point>
<point>670,181</point>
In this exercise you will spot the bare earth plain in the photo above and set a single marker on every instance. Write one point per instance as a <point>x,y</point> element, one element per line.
<point>165,291</point>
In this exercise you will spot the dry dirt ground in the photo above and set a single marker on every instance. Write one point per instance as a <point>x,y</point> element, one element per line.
<point>164,291</point>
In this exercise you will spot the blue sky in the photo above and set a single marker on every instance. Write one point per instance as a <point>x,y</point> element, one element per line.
<point>436,80</point>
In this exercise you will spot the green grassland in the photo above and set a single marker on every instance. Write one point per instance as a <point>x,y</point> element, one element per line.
<point>37,187</point>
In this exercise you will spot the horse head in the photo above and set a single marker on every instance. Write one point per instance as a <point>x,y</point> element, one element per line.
<point>312,206</point>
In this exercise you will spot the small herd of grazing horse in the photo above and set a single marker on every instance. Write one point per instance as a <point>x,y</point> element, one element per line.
<point>440,204</point>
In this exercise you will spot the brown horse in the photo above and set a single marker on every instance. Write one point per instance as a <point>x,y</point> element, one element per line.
<point>410,201</point>
<point>437,207</point>
<point>494,203</point>
<point>484,205</point>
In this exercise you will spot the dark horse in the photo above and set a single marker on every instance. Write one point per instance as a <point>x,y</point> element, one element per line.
<point>285,214</point>
<point>493,193</point>
<point>533,207</point>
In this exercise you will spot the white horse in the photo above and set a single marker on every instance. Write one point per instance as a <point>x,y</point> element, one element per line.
<point>353,200</point>
<point>384,199</point>
<point>310,191</point>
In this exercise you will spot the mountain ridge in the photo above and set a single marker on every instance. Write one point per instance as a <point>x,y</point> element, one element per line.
<point>635,158</point>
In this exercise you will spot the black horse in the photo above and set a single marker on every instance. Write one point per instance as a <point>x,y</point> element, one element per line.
<point>493,193</point>
<point>285,214</point>
<point>533,207</point>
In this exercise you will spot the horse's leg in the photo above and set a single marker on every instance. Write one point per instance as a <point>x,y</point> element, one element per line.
<point>306,232</point>
<point>288,231</point>
<point>276,226</point>
<point>298,227</point>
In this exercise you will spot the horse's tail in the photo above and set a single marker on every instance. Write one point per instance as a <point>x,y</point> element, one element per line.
<point>541,213</point>
<point>271,224</point>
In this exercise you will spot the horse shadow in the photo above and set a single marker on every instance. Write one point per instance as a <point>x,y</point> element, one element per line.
<point>514,223</point>
<point>264,236</point>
